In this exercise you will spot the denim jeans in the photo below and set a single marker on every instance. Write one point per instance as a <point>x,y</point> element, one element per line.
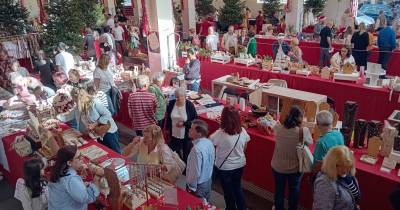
<point>384,56</point>
<point>232,186</point>
<point>324,57</point>
<point>111,140</point>
<point>294,180</point>
<point>204,190</point>
<point>73,124</point>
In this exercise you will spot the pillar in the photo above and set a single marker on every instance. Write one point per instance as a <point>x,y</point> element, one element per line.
<point>295,16</point>
<point>137,10</point>
<point>160,16</point>
<point>188,16</point>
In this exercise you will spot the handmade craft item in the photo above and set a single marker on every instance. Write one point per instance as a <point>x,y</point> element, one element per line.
<point>346,132</point>
<point>374,128</point>
<point>335,119</point>
<point>324,106</point>
<point>349,116</point>
<point>347,68</point>
<point>325,73</point>
<point>374,146</point>
<point>93,152</point>
<point>396,144</point>
<point>21,146</point>
<point>388,135</point>
<point>50,145</point>
<point>360,129</point>
<point>310,111</point>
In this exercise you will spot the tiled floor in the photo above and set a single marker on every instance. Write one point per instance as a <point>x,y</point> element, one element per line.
<point>7,202</point>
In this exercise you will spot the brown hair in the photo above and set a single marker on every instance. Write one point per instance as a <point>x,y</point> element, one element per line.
<point>230,121</point>
<point>104,61</point>
<point>75,72</point>
<point>61,167</point>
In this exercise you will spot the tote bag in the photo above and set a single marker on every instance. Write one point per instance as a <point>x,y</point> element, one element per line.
<point>304,154</point>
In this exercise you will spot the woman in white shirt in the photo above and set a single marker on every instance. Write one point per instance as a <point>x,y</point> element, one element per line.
<point>342,57</point>
<point>17,72</point>
<point>32,189</point>
<point>230,142</point>
<point>212,40</point>
<point>151,149</point>
<point>104,79</point>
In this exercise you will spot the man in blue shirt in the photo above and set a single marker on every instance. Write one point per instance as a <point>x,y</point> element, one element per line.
<point>386,44</point>
<point>200,161</point>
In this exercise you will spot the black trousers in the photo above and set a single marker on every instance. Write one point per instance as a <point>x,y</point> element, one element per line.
<point>181,146</point>
<point>384,56</point>
<point>231,182</point>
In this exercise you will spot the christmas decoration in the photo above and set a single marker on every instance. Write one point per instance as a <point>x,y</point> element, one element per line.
<point>66,21</point>
<point>317,6</point>
<point>205,8</point>
<point>231,13</point>
<point>13,18</point>
<point>270,7</point>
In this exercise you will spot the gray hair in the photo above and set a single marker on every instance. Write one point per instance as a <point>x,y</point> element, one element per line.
<point>324,118</point>
<point>159,77</point>
<point>180,91</point>
<point>142,81</point>
<point>202,127</point>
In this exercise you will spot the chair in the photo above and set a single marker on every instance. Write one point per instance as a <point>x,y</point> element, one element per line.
<point>278,82</point>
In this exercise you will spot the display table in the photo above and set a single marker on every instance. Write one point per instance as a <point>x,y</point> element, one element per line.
<point>373,103</point>
<point>16,163</point>
<point>311,51</point>
<point>375,185</point>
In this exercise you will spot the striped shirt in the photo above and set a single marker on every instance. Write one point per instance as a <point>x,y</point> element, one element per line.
<point>142,109</point>
<point>102,98</point>
<point>351,185</point>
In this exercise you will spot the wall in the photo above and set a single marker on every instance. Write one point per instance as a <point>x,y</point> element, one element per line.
<point>334,9</point>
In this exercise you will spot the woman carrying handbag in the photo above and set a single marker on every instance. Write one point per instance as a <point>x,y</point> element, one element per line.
<point>286,164</point>
<point>230,142</point>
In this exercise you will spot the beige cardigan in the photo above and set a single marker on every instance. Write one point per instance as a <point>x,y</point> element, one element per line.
<point>285,158</point>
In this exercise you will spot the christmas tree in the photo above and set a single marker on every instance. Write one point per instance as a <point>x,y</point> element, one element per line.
<point>205,8</point>
<point>13,18</point>
<point>270,7</point>
<point>317,6</point>
<point>231,13</point>
<point>67,20</point>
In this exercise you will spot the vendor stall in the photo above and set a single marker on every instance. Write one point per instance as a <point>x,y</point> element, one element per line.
<point>311,51</point>
<point>375,104</point>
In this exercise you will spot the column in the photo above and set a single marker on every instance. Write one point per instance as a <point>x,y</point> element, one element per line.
<point>188,16</point>
<point>160,16</point>
<point>137,10</point>
<point>294,18</point>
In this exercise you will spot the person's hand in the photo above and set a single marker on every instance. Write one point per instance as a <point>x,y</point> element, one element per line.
<point>179,124</point>
<point>92,126</point>
<point>187,60</point>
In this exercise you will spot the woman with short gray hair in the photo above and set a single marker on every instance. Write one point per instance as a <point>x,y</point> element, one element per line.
<point>329,138</point>
<point>180,114</point>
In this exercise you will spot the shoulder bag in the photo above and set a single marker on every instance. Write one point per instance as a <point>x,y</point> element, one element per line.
<point>304,154</point>
<point>237,140</point>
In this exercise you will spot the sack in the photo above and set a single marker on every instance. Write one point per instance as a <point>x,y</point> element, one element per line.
<point>102,129</point>
<point>304,154</point>
<point>176,170</point>
<point>394,87</point>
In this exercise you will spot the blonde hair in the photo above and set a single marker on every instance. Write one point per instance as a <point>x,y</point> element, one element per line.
<point>104,61</point>
<point>75,73</point>
<point>155,131</point>
<point>338,156</point>
<point>85,101</point>
<point>295,42</point>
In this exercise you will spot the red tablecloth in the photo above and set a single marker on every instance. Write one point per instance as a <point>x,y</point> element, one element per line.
<point>373,103</point>
<point>16,171</point>
<point>375,185</point>
<point>311,51</point>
